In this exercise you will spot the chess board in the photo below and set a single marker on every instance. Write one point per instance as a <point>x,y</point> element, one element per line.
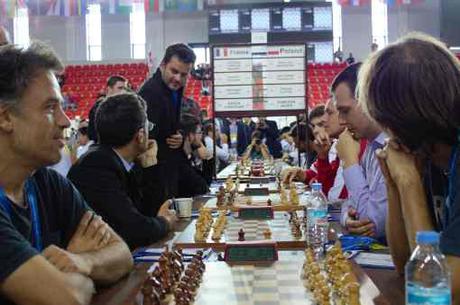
<point>279,227</point>
<point>242,200</point>
<point>275,284</point>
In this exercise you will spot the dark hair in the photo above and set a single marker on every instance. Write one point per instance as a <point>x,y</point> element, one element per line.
<point>412,88</point>
<point>83,130</point>
<point>119,117</point>
<point>300,130</point>
<point>113,79</point>
<point>183,52</point>
<point>349,75</point>
<point>257,134</point>
<point>316,112</point>
<point>18,66</point>
<point>189,123</point>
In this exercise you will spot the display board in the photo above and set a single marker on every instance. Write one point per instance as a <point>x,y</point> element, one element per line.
<point>259,78</point>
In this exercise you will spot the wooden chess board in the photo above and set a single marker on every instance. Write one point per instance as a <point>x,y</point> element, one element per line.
<point>276,284</point>
<point>279,226</point>
<point>258,201</point>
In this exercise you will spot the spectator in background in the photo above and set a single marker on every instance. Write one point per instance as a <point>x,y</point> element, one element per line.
<point>350,60</point>
<point>338,55</point>
<point>269,132</point>
<point>4,36</point>
<point>114,176</point>
<point>222,152</point>
<point>257,150</point>
<point>83,140</point>
<point>115,84</point>
<point>374,47</point>
<point>163,93</point>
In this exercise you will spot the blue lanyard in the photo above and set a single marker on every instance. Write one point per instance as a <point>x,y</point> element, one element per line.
<point>452,192</point>
<point>31,196</point>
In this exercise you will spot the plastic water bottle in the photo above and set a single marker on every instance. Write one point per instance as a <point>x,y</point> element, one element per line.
<point>427,274</point>
<point>317,225</point>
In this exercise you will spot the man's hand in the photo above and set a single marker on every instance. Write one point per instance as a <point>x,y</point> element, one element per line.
<point>363,227</point>
<point>400,166</point>
<point>66,261</point>
<point>175,141</point>
<point>348,149</point>
<point>169,215</point>
<point>293,173</point>
<point>223,138</point>
<point>92,234</point>
<point>149,157</point>
<point>322,144</point>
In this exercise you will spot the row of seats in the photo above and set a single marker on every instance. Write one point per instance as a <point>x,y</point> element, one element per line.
<point>85,82</point>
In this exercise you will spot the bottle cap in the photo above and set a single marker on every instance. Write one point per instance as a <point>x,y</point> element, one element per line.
<point>427,237</point>
<point>316,186</point>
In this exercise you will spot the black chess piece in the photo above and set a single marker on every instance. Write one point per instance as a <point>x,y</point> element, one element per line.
<point>241,235</point>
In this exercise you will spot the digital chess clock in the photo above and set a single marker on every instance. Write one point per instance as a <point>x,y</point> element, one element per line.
<point>251,251</point>
<point>249,212</point>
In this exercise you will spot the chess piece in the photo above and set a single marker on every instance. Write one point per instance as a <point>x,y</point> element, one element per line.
<point>221,196</point>
<point>293,195</point>
<point>283,197</point>
<point>267,234</point>
<point>249,201</point>
<point>241,235</point>
<point>269,202</point>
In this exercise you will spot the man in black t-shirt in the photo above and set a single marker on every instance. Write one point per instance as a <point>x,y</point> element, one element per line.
<point>52,247</point>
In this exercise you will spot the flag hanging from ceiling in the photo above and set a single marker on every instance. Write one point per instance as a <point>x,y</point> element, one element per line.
<point>152,6</point>
<point>181,5</point>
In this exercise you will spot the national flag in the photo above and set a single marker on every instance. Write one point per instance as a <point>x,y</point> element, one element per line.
<point>152,6</point>
<point>124,6</point>
<point>181,5</point>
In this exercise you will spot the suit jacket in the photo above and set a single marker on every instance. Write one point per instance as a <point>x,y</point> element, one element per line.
<point>271,133</point>
<point>161,111</point>
<point>122,198</point>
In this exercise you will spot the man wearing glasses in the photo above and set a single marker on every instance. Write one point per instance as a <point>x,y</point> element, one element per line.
<point>115,175</point>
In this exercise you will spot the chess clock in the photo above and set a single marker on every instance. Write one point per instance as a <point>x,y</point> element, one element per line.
<point>251,251</point>
<point>250,212</point>
<point>263,180</point>
<point>256,191</point>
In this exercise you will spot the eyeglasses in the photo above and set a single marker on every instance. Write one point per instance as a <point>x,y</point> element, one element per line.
<point>148,126</point>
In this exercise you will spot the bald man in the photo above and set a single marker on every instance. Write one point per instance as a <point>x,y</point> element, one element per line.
<point>4,36</point>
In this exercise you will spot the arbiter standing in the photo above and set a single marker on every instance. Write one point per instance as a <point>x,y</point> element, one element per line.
<point>163,94</point>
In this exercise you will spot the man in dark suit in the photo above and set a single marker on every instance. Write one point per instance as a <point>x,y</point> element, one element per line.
<point>163,94</point>
<point>114,176</point>
<point>270,133</point>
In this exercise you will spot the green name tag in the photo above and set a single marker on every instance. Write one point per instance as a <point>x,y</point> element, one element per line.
<point>251,251</point>
<point>256,213</point>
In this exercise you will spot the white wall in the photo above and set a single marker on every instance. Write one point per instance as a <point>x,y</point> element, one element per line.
<point>424,17</point>
<point>357,31</point>
<point>172,27</point>
<point>67,35</point>
<point>115,37</point>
